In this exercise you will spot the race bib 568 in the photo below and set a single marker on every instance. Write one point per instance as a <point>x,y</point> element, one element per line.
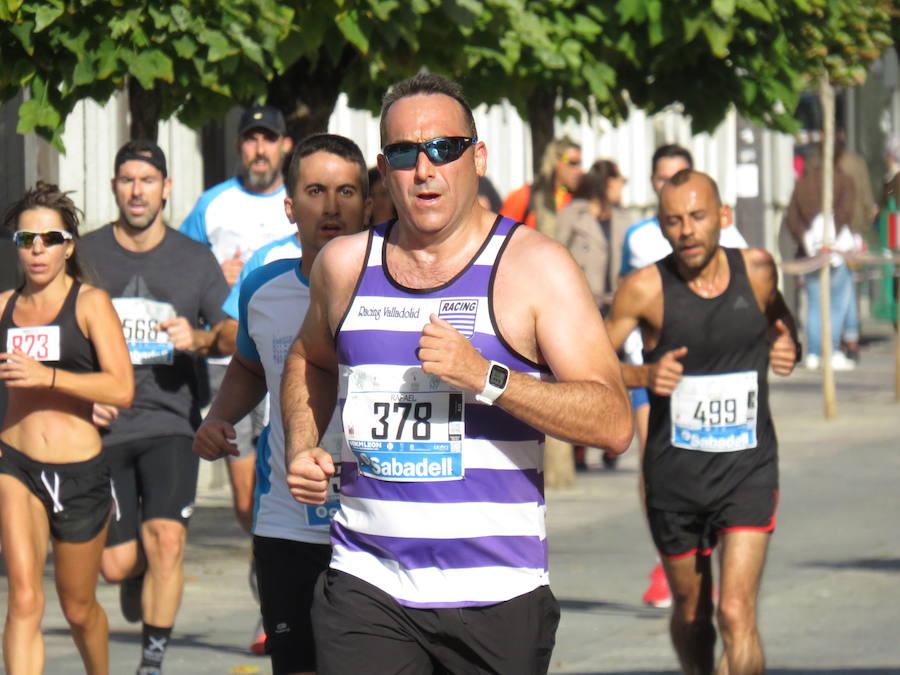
<point>140,318</point>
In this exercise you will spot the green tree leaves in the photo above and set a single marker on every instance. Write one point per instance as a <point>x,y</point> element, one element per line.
<point>201,56</point>
<point>207,54</point>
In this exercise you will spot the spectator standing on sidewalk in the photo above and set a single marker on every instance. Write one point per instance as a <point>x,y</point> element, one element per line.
<point>807,226</point>
<point>592,227</point>
<point>537,204</point>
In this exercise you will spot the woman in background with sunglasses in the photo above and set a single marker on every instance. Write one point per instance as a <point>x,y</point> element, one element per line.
<point>61,350</point>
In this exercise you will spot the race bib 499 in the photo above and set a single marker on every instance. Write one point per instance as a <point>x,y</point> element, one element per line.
<point>715,413</point>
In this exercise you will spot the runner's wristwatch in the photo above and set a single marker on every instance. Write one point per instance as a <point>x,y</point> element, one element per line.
<point>494,384</point>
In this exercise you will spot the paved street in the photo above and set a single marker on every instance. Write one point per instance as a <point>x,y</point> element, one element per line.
<point>831,593</point>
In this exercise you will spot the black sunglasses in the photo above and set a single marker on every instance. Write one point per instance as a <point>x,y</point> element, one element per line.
<point>405,154</point>
<point>25,238</point>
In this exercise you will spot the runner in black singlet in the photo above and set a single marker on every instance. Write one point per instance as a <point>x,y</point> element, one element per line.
<point>60,349</point>
<point>713,322</point>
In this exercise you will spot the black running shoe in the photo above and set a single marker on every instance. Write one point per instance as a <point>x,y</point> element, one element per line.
<point>130,598</point>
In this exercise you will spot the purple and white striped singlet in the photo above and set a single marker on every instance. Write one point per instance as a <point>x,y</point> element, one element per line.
<point>442,498</point>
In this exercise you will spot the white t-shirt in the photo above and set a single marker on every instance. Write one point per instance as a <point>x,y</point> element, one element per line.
<point>228,218</point>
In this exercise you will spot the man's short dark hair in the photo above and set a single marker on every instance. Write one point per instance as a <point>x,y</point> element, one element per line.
<point>669,151</point>
<point>426,84</point>
<point>142,150</point>
<point>333,144</point>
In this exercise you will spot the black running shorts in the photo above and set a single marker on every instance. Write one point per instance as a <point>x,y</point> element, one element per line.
<point>680,534</point>
<point>286,572</point>
<point>76,495</point>
<point>361,629</point>
<point>152,478</point>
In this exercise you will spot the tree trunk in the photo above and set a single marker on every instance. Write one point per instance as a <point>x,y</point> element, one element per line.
<point>826,94</point>
<point>306,93</point>
<point>145,107</point>
<point>541,115</point>
<point>559,463</point>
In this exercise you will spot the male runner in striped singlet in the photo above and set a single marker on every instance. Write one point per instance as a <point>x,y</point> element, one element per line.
<point>713,322</point>
<point>455,340</point>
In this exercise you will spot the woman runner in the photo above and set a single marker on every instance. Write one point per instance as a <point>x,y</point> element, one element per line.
<point>61,350</point>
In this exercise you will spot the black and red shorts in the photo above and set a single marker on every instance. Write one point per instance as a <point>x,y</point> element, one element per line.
<point>679,534</point>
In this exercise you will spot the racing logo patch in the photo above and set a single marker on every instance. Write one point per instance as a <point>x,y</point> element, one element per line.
<point>460,313</point>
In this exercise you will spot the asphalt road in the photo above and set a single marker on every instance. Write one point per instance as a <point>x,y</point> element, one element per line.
<point>830,601</point>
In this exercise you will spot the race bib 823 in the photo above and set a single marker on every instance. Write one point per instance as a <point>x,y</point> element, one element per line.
<point>38,342</point>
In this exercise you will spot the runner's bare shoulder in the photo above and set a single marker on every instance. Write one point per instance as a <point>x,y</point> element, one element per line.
<point>92,296</point>
<point>638,290</point>
<point>535,261</point>
<point>761,268</point>
<point>92,303</point>
<point>338,267</point>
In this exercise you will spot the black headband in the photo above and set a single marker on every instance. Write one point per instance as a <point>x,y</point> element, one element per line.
<point>150,153</point>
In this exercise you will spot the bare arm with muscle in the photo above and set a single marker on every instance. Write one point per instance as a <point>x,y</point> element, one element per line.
<point>784,349</point>
<point>546,311</point>
<point>310,380</point>
<point>638,304</point>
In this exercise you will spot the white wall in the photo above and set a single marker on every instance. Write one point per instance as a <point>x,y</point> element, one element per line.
<point>630,143</point>
<point>94,133</point>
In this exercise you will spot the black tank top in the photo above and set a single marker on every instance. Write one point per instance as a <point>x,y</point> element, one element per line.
<point>76,352</point>
<point>722,435</point>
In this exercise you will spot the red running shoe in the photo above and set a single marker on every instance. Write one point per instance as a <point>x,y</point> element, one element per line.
<point>258,648</point>
<point>658,593</point>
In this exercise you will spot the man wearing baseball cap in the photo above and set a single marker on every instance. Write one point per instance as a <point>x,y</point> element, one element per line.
<point>238,216</point>
<point>167,290</point>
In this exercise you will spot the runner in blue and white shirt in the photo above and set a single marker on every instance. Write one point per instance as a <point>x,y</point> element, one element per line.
<point>235,219</point>
<point>328,198</point>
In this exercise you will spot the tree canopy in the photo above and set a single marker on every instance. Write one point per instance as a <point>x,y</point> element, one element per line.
<point>198,57</point>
